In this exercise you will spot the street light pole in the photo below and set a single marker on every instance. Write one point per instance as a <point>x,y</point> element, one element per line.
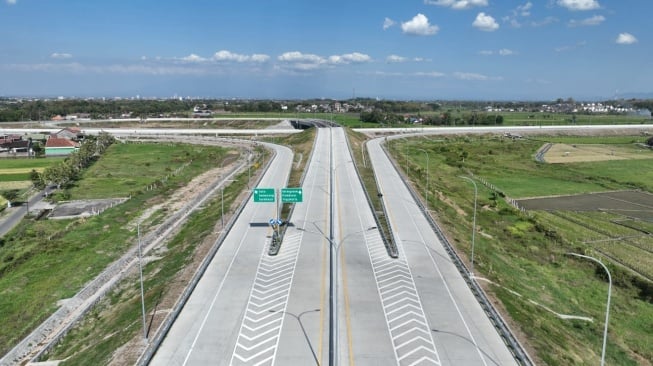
<point>334,249</point>
<point>249,166</point>
<point>301,325</point>
<point>607,307</point>
<point>426,190</point>
<point>473,224</point>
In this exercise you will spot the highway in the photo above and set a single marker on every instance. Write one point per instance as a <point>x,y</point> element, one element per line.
<point>254,309</point>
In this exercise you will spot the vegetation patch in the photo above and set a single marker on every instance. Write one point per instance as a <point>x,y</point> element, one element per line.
<point>525,252</point>
<point>42,262</point>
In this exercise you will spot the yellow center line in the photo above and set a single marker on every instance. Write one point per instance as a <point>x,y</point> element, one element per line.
<point>325,245</point>
<point>345,289</point>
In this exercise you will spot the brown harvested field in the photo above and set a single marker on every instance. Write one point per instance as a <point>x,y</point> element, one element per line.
<point>635,204</point>
<point>565,153</point>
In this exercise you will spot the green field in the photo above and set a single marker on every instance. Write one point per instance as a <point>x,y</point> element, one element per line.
<point>117,176</point>
<point>14,170</point>
<point>42,262</point>
<point>525,253</point>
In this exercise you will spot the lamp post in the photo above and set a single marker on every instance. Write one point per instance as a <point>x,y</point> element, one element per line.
<point>301,325</point>
<point>426,190</point>
<point>473,224</point>
<point>249,166</point>
<point>334,249</point>
<point>607,307</point>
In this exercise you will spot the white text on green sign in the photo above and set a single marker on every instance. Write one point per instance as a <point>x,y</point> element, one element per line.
<point>264,195</point>
<point>291,195</point>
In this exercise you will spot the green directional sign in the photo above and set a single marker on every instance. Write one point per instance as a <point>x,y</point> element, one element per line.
<point>291,195</point>
<point>264,195</point>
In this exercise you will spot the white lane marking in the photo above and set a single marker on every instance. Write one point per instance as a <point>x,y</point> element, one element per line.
<point>266,305</point>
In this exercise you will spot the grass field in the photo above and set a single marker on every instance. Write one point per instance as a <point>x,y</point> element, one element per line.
<point>525,253</point>
<point>115,176</point>
<point>16,170</point>
<point>575,153</point>
<point>42,262</point>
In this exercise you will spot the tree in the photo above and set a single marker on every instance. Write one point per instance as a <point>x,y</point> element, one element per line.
<point>10,195</point>
<point>37,179</point>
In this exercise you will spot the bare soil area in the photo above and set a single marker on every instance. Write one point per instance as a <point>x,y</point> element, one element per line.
<point>635,203</point>
<point>564,153</point>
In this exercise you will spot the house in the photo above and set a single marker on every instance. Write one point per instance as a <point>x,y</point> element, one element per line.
<point>9,138</point>
<point>56,146</point>
<point>16,146</point>
<point>70,133</point>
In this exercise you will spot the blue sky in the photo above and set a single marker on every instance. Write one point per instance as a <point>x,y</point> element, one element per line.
<point>391,49</point>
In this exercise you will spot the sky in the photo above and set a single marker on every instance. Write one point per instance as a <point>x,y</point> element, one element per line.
<point>301,49</point>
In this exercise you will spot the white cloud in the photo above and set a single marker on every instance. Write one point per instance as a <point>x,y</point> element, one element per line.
<point>306,61</point>
<point>228,56</point>
<point>431,74</point>
<point>626,38</point>
<point>77,68</point>
<point>595,20</point>
<point>457,4</point>
<point>501,52</point>
<point>61,56</point>
<point>193,58</point>
<point>11,2</point>
<point>579,4</point>
<point>419,26</point>
<point>296,56</point>
<point>470,76</point>
<point>571,48</point>
<point>349,58</point>
<point>546,21</point>
<point>524,10</point>
<point>395,59</point>
<point>521,11</point>
<point>485,23</point>
<point>387,23</point>
<point>259,57</point>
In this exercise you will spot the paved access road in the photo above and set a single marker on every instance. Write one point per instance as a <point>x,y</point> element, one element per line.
<point>461,332</point>
<point>207,331</point>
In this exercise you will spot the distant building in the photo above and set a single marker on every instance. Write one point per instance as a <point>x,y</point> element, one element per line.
<point>70,133</point>
<point>16,146</point>
<point>56,146</point>
<point>201,111</point>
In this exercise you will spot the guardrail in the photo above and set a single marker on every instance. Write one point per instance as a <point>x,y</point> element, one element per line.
<point>516,348</point>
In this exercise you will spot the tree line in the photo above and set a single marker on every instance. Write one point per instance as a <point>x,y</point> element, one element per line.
<point>69,169</point>
<point>442,119</point>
